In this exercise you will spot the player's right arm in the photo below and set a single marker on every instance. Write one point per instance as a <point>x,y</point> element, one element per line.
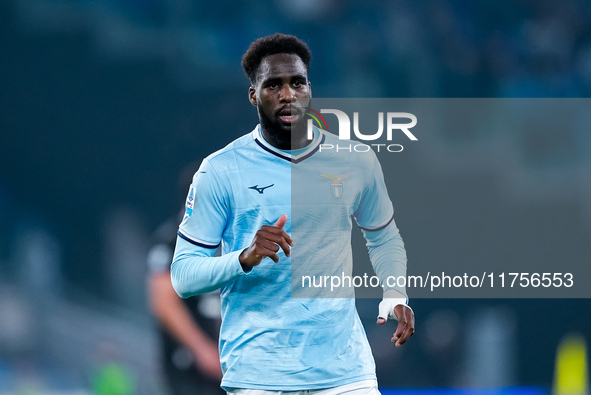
<point>194,269</point>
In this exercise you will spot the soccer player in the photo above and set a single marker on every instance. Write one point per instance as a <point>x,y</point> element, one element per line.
<point>245,198</point>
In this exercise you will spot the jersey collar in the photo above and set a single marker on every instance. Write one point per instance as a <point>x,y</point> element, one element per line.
<point>311,149</point>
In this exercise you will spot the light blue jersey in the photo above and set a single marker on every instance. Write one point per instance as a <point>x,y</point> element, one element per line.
<point>269,339</point>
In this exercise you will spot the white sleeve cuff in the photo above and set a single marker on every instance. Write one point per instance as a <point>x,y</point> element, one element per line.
<point>391,299</point>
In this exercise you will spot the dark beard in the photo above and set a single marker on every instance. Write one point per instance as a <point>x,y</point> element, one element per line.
<point>279,136</point>
<point>275,131</point>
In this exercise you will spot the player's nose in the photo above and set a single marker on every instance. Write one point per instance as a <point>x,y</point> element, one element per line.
<point>287,94</point>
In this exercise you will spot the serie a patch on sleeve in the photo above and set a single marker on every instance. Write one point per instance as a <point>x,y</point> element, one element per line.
<point>190,202</point>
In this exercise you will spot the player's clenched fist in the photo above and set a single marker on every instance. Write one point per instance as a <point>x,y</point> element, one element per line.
<point>266,243</point>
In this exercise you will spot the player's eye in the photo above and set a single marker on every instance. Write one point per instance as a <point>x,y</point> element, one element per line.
<point>273,85</point>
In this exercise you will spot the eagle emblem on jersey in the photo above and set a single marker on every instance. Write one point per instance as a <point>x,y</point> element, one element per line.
<point>336,184</point>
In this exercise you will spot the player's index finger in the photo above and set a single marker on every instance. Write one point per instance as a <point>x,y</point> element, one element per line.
<point>273,233</point>
<point>284,246</point>
<point>287,238</point>
<point>278,229</point>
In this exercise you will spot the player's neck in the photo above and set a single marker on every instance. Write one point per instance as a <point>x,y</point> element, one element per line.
<point>284,141</point>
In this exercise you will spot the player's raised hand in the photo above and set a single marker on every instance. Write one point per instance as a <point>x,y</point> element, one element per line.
<point>406,320</point>
<point>266,243</point>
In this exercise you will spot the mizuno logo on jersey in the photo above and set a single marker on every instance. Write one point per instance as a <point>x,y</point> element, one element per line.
<point>261,189</point>
<point>336,185</point>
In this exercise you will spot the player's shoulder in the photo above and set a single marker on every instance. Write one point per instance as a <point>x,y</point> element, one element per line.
<point>225,159</point>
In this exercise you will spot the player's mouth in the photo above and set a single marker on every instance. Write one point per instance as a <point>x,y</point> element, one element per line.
<point>289,115</point>
<point>289,118</point>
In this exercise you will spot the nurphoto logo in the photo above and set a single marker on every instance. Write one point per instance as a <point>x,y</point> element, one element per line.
<point>393,127</point>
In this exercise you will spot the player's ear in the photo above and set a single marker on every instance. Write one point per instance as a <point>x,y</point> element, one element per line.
<point>252,96</point>
<point>310,88</point>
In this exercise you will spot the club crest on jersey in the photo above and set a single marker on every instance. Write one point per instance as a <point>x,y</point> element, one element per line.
<point>190,202</point>
<point>336,184</point>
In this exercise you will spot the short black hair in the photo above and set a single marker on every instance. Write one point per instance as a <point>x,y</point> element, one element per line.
<point>271,45</point>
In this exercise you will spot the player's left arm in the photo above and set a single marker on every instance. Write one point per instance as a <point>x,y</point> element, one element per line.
<point>388,258</point>
<point>375,216</point>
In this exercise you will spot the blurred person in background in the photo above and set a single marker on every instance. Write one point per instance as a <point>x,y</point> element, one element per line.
<point>188,328</point>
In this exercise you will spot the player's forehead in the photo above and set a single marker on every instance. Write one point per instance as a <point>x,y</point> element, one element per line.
<point>281,65</point>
